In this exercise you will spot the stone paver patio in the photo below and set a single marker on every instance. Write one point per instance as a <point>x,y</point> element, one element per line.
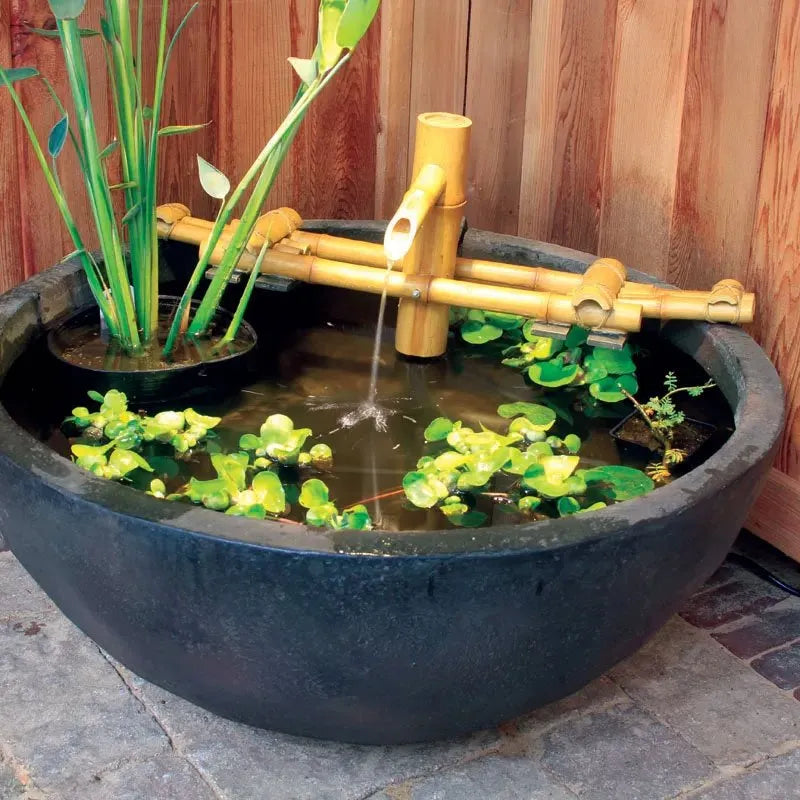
<point>707,710</point>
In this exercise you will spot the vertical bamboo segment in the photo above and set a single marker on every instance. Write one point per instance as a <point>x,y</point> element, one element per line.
<point>441,139</point>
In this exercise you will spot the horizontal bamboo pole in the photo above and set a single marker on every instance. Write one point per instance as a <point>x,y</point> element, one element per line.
<point>655,302</point>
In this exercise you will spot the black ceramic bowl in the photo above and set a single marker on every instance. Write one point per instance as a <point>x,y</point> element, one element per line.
<point>380,637</point>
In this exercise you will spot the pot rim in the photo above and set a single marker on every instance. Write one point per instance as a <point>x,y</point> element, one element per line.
<point>251,339</point>
<point>743,372</point>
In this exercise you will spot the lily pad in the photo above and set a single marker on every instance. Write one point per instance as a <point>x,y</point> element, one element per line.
<point>617,482</point>
<point>609,390</point>
<point>438,429</point>
<point>552,373</point>
<point>541,417</point>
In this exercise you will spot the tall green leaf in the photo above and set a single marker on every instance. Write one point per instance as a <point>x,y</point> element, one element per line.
<point>356,19</point>
<point>328,49</point>
<point>19,73</point>
<point>174,130</point>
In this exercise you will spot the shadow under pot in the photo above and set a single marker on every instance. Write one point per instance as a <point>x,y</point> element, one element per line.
<point>696,438</point>
<point>88,359</point>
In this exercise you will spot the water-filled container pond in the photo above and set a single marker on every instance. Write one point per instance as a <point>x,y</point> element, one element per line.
<point>421,627</point>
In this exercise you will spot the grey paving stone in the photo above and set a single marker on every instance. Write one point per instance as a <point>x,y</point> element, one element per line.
<point>250,764</point>
<point>64,712</point>
<point>495,777</point>
<point>774,779</point>
<point>710,697</point>
<point>738,598</point>
<point>3,543</point>
<point>772,628</point>
<point>10,787</point>
<point>622,753</point>
<point>21,599</point>
<point>782,667</point>
<point>167,777</point>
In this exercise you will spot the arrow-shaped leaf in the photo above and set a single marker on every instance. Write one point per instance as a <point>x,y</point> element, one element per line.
<point>47,33</point>
<point>19,73</point>
<point>66,9</point>
<point>306,68</point>
<point>213,181</point>
<point>328,50</point>
<point>174,130</point>
<point>57,137</point>
<point>109,149</point>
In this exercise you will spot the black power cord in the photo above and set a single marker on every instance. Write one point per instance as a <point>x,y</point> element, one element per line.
<point>762,572</point>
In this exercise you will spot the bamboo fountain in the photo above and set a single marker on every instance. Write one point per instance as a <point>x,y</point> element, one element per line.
<point>419,263</point>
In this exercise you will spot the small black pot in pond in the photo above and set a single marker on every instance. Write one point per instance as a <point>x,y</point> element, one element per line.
<point>695,438</point>
<point>90,361</point>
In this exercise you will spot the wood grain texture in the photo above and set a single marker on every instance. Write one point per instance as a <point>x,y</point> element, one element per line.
<point>495,101</point>
<point>774,269</point>
<point>12,267</point>
<point>722,131</point>
<point>439,59</point>
<point>391,147</point>
<point>775,515</point>
<point>567,109</point>
<point>650,60</point>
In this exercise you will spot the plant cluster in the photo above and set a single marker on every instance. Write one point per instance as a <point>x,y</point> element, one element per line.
<point>663,417</point>
<point>606,376</point>
<point>541,470</point>
<point>132,317</point>
<point>261,480</point>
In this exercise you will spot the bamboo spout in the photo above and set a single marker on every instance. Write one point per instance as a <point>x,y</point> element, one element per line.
<point>414,208</point>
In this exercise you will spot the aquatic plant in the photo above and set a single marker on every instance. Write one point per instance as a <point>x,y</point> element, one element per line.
<point>541,470</point>
<point>663,417</point>
<point>605,375</point>
<point>128,301</point>
<point>260,481</point>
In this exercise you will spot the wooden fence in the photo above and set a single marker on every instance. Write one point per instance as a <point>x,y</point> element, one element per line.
<point>663,132</point>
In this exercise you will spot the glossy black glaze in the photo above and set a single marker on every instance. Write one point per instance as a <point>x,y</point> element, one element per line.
<point>373,637</point>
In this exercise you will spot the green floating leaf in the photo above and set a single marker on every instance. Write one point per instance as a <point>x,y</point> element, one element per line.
<point>66,9</point>
<point>609,390</point>
<point>356,518</point>
<point>507,322</point>
<point>553,373</point>
<point>541,417</point>
<point>213,181</point>
<point>419,490</point>
<point>126,461</point>
<point>268,488</point>
<point>576,337</point>
<point>471,519</point>
<point>618,482</point>
<point>438,430</point>
<point>616,362</point>
<point>313,493</point>
<point>567,506</point>
<point>476,332</point>
<point>355,21</point>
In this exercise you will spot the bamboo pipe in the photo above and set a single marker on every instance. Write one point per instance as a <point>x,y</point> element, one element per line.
<point>442,144</point>
<point>656,302</point>
<point>439,292</point>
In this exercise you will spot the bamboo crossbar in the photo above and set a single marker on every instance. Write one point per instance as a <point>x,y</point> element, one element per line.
<point>479,276</point>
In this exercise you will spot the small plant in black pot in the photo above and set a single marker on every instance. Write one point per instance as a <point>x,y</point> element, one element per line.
<point>661,427</point>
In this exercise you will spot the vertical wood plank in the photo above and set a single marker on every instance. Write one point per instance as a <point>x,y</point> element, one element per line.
<point>774,269</point>
<point>722,132</point>
<point>391,178</point>
<point>333,159</point>
<point>438,60</point>
<point>45,239</point>
<point>650,60</point>
<point>495,101</point>
<point>190,97</point>
<point>254,84</point>
<point>566,124</point>
<point>12,265</point>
